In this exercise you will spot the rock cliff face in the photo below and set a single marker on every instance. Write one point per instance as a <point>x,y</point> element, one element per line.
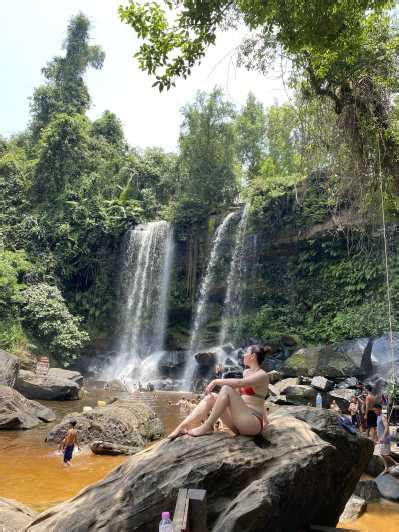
<point>300,471</point>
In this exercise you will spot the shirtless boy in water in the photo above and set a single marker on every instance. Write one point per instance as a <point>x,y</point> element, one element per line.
<point>68,443</point>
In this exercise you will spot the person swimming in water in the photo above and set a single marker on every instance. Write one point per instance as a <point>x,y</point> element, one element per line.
<point>239,404</point>
<point>68,443</point>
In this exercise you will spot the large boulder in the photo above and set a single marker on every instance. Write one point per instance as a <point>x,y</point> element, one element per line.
<point>274,376</point>
<point>375,466</point>
<point>359,351</point>
<point>14,516</point>
<point>172,359</point>
<point>388,486</point>
<point>9,367</point>
<point>381,355</point>
<point>50,387</point>
<point>282,385</point>
<point>343,397</point>
<point>329,361</point>
<point>354,508</point>
<point>300,471</point>
<point>109,448</point>
<point>127,423</point>
<point>322,384</point>
<point>206,358</point>
<point>300,394</point>
<point>59,373</point>
<point>17,412</point>
<point>367,490</point>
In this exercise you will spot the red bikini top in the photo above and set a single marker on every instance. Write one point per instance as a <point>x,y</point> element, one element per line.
<point>248,390</point>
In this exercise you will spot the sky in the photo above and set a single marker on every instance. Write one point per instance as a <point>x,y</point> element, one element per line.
<point>33,32</point>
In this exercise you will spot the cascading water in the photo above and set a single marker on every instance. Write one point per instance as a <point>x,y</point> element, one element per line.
<point>233,299</point>
<point>201,312</point>
<point>144,294</point>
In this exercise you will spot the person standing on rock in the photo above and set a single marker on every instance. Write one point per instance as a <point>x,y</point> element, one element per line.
<point>239,404</point>
<point>384,439</point>
<point>369,415</point>
<point>68,443</point>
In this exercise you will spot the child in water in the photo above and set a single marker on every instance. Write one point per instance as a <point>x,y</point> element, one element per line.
<point>68,443</point>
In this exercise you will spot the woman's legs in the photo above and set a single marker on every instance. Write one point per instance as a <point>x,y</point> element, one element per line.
<point>241,417</point>
<point>199,414</point>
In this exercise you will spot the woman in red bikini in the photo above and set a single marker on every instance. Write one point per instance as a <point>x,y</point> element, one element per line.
<point>239,404</point>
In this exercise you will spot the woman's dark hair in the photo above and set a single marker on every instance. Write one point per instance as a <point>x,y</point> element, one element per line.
<point>260,351</point>
<point>369,388</point>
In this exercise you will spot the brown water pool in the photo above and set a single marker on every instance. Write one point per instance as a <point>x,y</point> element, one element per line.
<point>32,472</point>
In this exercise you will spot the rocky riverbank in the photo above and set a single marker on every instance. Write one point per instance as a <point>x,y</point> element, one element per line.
<point>301,470</point>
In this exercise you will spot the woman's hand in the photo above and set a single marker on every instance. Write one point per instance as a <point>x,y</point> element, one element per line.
<point>212,384</point>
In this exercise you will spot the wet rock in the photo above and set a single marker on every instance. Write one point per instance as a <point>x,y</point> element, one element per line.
<point>375,466</point>
<point>205,359</point>
<point>9,367</point>
<point>388,486</point>
<point>342,397</point>
<point>282,385</point>
<point>172,360</point>
<point>271,482</point>
<point>274,376</point>
<point>17,412</point>
<point>381,355</point>
<point>14,516</point>
<point>329,361</point>
<point>227,348</point>
<point>46,388</point>
<point>367,490</point>
<point>124,422</point>
<point>110,448</point>
<point>350,382</point>
<point>304,380</point>
<point>359,351</point>
<point>117,386</point>
<point>322,384</point>
<point>300,394</point>
<point>59,373</point>
<point>280,400</point>
<point>354,508</point>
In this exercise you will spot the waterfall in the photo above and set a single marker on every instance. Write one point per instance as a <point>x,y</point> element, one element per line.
<point>233,299</point>
<point>144,287</point>
<point>201,311</point>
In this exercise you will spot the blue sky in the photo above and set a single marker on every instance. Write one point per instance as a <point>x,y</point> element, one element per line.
<point>33,32</point>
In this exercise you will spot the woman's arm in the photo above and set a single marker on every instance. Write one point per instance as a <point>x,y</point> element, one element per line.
<point>250,380</point>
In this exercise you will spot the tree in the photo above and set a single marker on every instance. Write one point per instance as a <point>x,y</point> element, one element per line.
<point>207,153</point>
<point>62,155</point>
<point>347,51</point>
<point>251,136</point>
<point>65,90</point>
<point>109,127</point>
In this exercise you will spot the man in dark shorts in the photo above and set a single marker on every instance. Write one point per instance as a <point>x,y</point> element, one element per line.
<point>68,443</point>
<point>369,414</point>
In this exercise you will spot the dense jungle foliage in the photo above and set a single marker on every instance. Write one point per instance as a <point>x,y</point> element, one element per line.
<point>70,187</point>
